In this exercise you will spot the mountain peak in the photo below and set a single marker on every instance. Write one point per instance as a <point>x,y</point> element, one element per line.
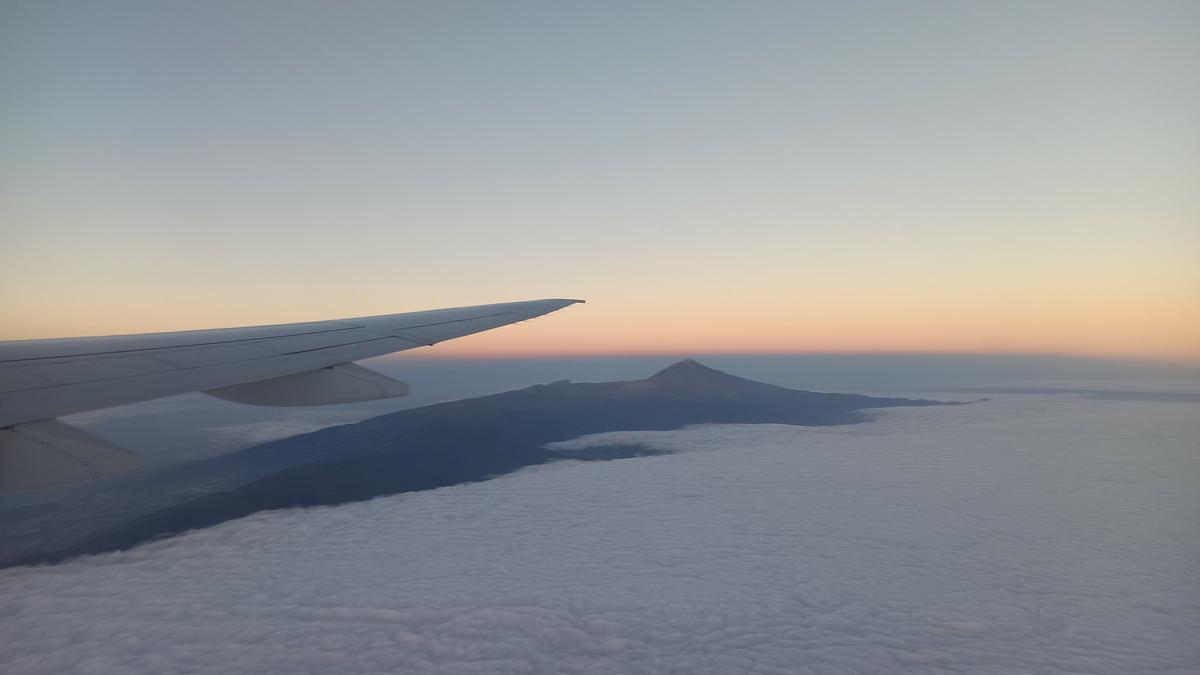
<point>690,367</point>
<point>691,375</point>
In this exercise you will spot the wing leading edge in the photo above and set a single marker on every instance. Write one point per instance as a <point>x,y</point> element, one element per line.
<point>286,364</point>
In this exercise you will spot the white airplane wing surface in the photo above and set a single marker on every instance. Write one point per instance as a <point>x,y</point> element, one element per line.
<point>288,365</point>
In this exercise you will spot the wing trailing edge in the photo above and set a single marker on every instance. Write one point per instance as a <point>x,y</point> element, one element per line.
<point>49,452</point>
<point>343,383</point>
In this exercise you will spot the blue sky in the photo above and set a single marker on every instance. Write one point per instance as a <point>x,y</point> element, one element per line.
<point>1013,177</point>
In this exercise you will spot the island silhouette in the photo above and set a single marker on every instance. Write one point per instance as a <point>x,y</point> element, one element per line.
<point>417,449</point>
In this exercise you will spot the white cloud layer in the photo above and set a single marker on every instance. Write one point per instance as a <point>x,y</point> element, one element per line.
<point>1028,534</point>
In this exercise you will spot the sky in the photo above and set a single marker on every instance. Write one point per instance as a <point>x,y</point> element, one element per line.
<point>712,177</point>
<point>1026,534</point>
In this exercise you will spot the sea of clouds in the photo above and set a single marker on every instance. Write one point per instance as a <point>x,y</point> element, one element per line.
<point>1027,534</point>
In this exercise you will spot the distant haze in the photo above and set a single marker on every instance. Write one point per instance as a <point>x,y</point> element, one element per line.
<point>925,177</point>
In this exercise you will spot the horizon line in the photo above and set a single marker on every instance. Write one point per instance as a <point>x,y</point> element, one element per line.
<point>1191,362</point>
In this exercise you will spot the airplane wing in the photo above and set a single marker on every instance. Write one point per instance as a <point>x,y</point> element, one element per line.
<point>287,364</point>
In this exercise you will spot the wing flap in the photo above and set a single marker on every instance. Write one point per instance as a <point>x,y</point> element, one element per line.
<point>343,383</point>
<point>46,402</point>
<point>49,452</point>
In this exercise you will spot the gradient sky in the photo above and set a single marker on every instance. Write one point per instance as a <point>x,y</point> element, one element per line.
<point>712,177</point>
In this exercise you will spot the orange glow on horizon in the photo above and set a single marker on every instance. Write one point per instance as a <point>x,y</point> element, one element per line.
<point>1145,331</point>
<point>1153,316</point>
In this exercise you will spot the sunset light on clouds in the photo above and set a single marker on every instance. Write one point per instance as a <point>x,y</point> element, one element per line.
<point>946,179</point>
